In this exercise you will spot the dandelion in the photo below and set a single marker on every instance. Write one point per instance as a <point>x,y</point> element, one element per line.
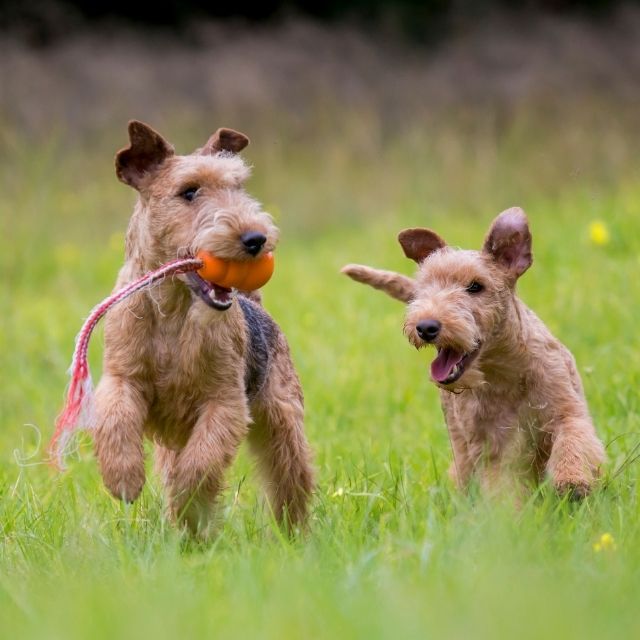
<point>599,233</point>
<point>605,543</point>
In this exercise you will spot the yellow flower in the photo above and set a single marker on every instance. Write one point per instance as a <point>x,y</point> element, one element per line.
<point>599,233</point>
<point>605,543</point>
<point>338,493</point>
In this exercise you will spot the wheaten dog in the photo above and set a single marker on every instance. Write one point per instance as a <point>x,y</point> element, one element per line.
<point>194,366</point>
<point>511,394</point>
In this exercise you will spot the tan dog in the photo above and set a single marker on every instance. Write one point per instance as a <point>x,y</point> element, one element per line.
<point>511,394</point>
<point>194,366</point>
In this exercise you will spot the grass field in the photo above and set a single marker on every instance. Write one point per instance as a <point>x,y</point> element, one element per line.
<point>394,551</point>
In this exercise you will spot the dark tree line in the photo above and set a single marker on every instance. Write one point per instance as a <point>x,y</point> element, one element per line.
<point>43,20</point>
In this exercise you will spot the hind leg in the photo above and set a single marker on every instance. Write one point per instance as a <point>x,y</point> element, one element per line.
<point>277,439</point>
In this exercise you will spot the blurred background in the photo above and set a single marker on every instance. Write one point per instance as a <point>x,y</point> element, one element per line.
<point>478,101</point>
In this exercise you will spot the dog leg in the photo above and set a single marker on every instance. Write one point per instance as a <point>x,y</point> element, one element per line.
<point>122,411</point>
<point>396,285</point>
<point>461,468</point>
<point>193,477</point>
<point>278,441</point>
<point>576,456</point>
<point>485,457</point>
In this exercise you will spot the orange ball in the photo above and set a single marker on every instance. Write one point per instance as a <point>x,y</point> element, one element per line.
<point>247,275</point>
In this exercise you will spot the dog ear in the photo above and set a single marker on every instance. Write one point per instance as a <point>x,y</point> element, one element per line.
<point>225,140</point>
<point>147,150</point>
<point>418,243</point>
<point>396,285</point>
<point>509,241</point>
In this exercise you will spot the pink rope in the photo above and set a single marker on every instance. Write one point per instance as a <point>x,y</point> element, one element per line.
<point>78,411</point>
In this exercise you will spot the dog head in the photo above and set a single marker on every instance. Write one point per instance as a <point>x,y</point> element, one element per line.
<point>462,298</point>
<point>191,203</point>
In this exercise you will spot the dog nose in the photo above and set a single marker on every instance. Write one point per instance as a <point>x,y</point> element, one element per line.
<point>428,330</point>
<point>253,241</point>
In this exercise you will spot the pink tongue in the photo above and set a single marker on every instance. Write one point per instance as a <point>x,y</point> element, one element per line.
<point>444,363</point>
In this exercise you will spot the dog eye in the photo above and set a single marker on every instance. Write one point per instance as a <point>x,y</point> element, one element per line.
<point>190,193</point>
<point>474,287</point>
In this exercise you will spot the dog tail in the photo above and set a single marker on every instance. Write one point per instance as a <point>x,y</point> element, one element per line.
<point>394,284</point>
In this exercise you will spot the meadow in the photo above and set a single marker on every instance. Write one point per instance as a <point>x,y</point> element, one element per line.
<point>394,551</point>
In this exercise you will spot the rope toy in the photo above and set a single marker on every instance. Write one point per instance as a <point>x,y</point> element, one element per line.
<point>79,411</point>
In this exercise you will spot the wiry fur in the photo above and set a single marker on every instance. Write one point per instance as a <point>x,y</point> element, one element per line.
<point>519,405</point>
<point>194,379</point>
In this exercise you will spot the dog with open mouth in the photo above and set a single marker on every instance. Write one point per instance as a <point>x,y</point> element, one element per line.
<point>510,391</point>
<point>193,365</point>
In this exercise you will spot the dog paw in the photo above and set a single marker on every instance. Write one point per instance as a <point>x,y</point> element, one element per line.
<point>126,484</point>
<point>575,491</point>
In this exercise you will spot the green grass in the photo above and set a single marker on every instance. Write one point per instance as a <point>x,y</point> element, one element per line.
<point>394,551</point>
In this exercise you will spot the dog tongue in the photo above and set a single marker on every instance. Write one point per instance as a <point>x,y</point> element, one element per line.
<point>444,363</point>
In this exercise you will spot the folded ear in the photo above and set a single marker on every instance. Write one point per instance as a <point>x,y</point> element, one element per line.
<point>509,241</point>
<point>225,140</point>
<point>147,150</point>
<point>418,243</point>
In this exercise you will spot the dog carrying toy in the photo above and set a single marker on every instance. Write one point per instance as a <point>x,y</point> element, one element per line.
<point>78,411</point>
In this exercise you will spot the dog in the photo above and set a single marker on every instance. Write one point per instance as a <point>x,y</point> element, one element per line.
<point>511,394</point>
<point>191,365</point>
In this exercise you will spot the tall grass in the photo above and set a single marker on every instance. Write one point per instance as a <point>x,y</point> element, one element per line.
<point>353,138</point>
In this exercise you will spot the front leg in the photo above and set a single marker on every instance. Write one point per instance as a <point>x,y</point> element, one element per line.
<point>462,467</point>
<point>121,412</point>
<point>480,452</point>
<point>576,456</point>
<point>193,476</point>
<point>463,464</point>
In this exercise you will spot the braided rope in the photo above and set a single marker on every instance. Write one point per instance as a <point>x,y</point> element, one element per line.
<point>78,412</point>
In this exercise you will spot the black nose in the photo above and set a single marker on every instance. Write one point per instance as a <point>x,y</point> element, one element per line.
<point>253,241</point>
<point>428,330</point>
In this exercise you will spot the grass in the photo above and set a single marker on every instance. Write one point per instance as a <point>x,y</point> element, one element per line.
<point>393,551</point>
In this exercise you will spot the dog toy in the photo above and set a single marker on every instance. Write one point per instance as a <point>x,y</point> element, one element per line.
<point>78,412</point>
<point>246,276</point>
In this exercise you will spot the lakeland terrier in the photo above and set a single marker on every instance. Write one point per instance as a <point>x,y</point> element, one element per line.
<point>511,394</point>
<point>194,366</point>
